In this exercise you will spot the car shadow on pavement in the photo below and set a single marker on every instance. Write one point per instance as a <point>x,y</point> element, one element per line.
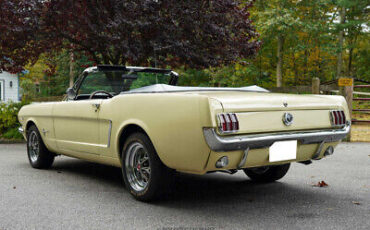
<point>109,175</point>
<point>203,190</point>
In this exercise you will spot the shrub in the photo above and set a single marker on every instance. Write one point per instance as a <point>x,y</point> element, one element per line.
<point>12,134</point>
<point>8,118</point>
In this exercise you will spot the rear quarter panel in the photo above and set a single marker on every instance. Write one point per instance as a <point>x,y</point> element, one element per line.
<point>173,122</point>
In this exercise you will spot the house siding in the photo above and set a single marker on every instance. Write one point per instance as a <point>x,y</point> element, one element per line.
<point>9,93</point>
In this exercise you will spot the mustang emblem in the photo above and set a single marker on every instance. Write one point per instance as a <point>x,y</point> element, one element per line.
<point>288,119</point>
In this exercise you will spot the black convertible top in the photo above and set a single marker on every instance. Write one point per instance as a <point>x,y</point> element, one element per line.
<point>133,69</point>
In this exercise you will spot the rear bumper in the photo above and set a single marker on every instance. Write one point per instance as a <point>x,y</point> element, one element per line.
<point>219,143</point>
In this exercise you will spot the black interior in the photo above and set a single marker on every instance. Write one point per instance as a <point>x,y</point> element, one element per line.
<point>87,96</point>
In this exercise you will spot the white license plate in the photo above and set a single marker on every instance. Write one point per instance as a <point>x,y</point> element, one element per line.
<point>283,151</point>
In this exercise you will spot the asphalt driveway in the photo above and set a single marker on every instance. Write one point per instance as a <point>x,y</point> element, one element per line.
<point>79,195</point>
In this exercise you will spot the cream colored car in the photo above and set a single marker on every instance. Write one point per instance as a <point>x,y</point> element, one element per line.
<point>137,119</point>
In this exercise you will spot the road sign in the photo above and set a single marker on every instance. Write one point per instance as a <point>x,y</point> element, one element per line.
<point>345,81</point>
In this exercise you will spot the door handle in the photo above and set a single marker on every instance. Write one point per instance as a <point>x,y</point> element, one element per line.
<point>96,106</point>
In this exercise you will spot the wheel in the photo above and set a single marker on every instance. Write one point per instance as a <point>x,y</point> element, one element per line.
<point>145,176</point>
<point>267,173</point>
<point>38,155</point>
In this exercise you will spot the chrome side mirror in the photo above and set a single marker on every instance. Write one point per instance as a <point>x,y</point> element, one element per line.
<point>71,94</point>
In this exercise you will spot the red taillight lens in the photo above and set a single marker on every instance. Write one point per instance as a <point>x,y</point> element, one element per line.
<point>235,122</point>
<point>338,118</point>
<point>228,122</point>
<point>229,125</point>
<point>222,120</point>
<point>343,117</point>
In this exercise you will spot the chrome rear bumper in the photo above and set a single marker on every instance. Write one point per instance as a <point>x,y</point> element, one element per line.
<point>219,143</point>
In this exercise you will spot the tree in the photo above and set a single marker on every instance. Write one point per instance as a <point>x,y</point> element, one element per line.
<point>195,33</point>
<point>277,19</point>
<point>354,27</point>
<point>308,45</point>
<point>342,18</point>
<point>18,27</point>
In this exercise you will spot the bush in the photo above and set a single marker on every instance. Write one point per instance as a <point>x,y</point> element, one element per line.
<point>12,134</point>
<point>8,119</point>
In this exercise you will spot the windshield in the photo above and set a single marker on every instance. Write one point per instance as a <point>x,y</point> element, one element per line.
<point>116,82</point>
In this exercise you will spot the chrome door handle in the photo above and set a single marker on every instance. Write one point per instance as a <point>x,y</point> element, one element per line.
<point>96,106</point>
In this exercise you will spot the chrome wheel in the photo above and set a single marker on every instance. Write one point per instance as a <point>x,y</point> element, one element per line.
<point>137,166</point>
<point>33,146</point>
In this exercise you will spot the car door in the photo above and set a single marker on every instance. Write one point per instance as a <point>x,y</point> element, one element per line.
<point>76,126</point>
<point>76,123</point>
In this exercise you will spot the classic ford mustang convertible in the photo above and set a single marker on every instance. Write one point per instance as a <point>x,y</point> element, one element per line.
<point>137,118</point>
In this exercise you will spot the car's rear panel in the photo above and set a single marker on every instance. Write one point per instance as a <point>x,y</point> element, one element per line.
<point>271,121</point>
<point>262,114</point>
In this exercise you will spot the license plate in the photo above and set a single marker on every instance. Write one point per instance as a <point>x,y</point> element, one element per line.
<point>283,151</point>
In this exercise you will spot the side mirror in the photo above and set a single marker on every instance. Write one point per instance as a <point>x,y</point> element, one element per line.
<point>71,94</point>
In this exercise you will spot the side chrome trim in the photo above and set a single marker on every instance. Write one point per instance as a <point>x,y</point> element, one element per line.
<point>109,133</point>
<point>219,143</point>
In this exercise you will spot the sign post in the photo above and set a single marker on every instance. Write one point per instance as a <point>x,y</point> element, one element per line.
<point>345,81</point>
<point>346,90</point>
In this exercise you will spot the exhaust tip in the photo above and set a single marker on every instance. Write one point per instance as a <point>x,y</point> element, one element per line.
<point>222,162</point>
<point>329,151</point>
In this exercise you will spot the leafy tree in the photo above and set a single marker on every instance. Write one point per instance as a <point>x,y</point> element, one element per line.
<point>277,19</point>
<point>21,36</point>
<point>310,31</point>
<point>353,28</point>
<point>28,90</point>
<point>195,33</point>
<point>52,71</point>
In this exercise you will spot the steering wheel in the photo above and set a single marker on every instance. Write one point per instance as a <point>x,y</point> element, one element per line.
<point>100,91</point>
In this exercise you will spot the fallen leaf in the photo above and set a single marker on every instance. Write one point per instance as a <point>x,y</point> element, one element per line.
<point>321,184</point>
<point>59,172</point>
<point>14,187</point>
<point>356,202</point>
<point>312,176</point>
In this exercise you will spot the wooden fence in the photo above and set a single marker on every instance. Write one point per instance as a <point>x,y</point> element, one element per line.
<point>332,87</point>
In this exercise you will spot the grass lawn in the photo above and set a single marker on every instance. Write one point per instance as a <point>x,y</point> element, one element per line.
<point>360,131</point>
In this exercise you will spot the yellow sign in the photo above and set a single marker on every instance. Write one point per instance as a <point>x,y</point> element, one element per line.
<point>345,81</point>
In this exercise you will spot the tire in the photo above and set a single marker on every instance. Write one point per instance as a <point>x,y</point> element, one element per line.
<point>144,174</point>
<point>267,174</point>
<point>38,155</point>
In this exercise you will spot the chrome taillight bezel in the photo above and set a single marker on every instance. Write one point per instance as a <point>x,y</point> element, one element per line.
<point>337,118</point>
<point>228,120</point>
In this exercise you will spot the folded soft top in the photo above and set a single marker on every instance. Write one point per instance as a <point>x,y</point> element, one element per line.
<point>163,88</point>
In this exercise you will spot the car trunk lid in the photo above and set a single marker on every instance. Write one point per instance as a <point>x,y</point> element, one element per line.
<point>264,112</point>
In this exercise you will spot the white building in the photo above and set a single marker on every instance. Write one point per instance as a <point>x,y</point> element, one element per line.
<point>9,87</point>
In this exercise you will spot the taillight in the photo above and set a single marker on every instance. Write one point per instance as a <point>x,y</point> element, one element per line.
<point>228,122</point>
<point>337,117</point>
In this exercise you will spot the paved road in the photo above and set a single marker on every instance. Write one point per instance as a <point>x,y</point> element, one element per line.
<point>78,195</point>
